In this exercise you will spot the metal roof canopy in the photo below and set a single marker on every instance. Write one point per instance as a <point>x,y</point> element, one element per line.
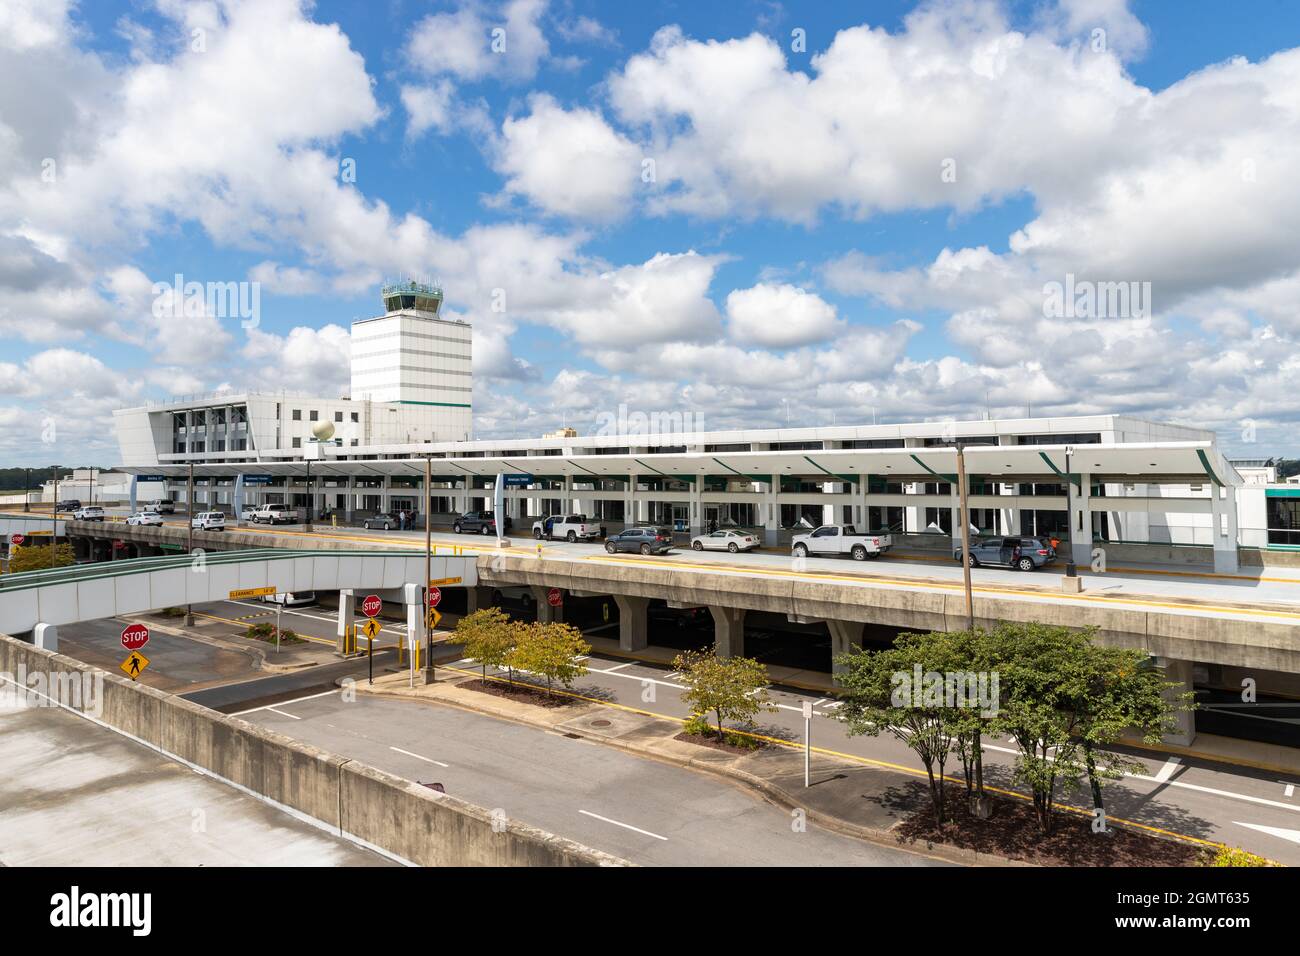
<point>1156,462</point>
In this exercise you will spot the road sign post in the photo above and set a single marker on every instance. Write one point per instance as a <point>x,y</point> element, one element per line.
<point>807,743</point>
<point>135,636</point>
<point>371,629</point>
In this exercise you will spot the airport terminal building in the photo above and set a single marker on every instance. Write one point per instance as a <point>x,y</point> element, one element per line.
<point>1123,480</point>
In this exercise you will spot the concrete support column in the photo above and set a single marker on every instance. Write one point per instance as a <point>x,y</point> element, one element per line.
<point>633,629</point>
<point>1184,731</point>
<point>846,636</point>
<point>728,631</point>
<point>349,499</point>
<point>477,598</point>
<point>46,636</point>
<point>545,613</point>
<point>695,515</point>
<point>347,612</point>
<point>569,507</point>
<point>955,509</point>
<point>1223,502</point>
<point>1080,519</point>
<point>771,516</point>
<point>629,503</point>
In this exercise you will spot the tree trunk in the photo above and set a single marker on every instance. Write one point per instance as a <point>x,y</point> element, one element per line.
<point>1093,779</point>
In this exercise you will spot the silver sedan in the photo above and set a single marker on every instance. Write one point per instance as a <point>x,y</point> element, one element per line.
<point>732,541</point>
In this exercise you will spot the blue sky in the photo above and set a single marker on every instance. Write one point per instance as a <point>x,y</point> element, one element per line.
<point>798,244</point>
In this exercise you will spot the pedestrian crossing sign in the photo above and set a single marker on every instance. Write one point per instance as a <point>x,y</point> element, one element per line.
<point>134,665</point>
<point>370,628</point>
<point>434,618</point>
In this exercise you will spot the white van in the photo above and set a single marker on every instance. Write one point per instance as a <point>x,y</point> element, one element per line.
<point>208,521</point>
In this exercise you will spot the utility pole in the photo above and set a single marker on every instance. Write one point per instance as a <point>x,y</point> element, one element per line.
<point>1070,570</point>
<point>55,539</point>
<point>27,490</point>
<point>965,536</point>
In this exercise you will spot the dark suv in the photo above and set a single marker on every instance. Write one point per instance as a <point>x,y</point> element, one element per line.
<point>478,522</point>
<point>1023,554</point>
<point>643,540</point>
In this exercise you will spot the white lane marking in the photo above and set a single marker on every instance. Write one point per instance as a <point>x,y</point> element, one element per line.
<point>1290,790</point>
<point>418,757</point>
<point>282,713</point>
<point>626,826</point>
<point>818,703</point>
<point>1168,769</point>
<point>1280,832</point>
<point>284,703</point>
<point>618,667</point>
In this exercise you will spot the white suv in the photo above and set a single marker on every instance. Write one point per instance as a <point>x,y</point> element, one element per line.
<point>89,513</point>
<point>209,521</point>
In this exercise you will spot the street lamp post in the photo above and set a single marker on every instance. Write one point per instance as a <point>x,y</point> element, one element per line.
<point>965,536</point>
<point>55,538</point>
<point>189,534</point>
<point>428,569</point>
<point>27,490</point>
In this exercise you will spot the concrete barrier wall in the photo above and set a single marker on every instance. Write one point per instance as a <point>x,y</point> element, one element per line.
<point>351,798</point>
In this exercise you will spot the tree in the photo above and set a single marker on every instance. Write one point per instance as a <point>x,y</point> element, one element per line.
<point>489,636</point>
<point>551,651</point>
<point>731,688</point>
<point>973,653</point>
<point>880,695</point>
<point>40,558</point>
<point>1120,689</point>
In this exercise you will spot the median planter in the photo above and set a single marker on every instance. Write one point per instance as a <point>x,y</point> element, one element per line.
<point>523,693</point>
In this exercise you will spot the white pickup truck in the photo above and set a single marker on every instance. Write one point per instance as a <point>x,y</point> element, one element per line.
<point>568,527</point>
<point>275,514</point>
<point>837,539</point>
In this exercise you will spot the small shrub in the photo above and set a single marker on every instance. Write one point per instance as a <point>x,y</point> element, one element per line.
<point>1233,856</point>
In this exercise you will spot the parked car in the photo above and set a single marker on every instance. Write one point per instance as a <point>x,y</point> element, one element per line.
<point>732,541</point>
<point>145,518</point>
<point>568,527</point>
<point>478,522</point>
<point>68,504</point>
<point>1023,554</point>
<point>275,514</point>
<point>208,521</point>
<point>164,506</point>
<point>643,540</point>
<point>89,513</point>
<point>246,513</point>
<point>381,522</point>
<point>831,539</point>
<point>291,598</point>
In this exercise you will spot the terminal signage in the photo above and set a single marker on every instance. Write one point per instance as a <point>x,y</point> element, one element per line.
<point>257,479</point>
<point>517,481</point>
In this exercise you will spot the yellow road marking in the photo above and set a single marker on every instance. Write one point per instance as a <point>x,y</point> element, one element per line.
<point>869,761</point>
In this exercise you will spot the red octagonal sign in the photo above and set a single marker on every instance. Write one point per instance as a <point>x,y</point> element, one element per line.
<point>135,636</point>
<point>16,539</point>
<point>554,597</point>
<point>435,597</point>
<point>372,605</point>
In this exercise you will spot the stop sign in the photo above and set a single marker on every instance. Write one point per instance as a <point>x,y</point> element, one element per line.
<point>371,605</point>
<point>135,636</point>
<point>17,539</point>
<point>435,597</point>
<point>554,597</point>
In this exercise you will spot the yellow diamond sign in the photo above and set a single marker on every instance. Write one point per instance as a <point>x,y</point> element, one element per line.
<point>434,618</point>
<point>134,665</point>
<point>370,628</point>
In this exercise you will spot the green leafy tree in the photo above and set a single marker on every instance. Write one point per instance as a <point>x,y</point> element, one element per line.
<point>40,557</point>
<point>551,651</point>
<point>489,636</point>
<point>730,688</point>
<point>879,696</point>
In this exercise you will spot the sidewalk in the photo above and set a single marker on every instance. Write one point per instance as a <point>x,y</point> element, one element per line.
<point>847,797</point>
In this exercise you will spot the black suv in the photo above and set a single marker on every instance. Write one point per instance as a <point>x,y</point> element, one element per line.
<point>644,540</point>
<point>480,522</point>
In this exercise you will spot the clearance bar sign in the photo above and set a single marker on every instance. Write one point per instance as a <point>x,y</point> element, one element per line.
<point>251,592</point>
<point>443,582</point>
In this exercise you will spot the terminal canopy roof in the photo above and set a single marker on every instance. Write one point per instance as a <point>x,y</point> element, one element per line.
<point>1129,462</point>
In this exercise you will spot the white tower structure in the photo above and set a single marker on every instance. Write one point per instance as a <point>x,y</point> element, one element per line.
<point>412,356</point>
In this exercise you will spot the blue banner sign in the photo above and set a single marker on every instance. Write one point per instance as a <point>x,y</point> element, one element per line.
<point>517,481</point>
<point>257,479</point>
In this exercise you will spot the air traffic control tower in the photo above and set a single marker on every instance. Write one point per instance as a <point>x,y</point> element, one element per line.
<point>412,356</point>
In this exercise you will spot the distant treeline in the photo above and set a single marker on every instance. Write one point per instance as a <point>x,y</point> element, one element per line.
<point>15,479</point>
<point>1286,467</point>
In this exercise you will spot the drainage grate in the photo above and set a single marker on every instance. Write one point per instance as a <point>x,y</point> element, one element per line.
<point>574,736</point>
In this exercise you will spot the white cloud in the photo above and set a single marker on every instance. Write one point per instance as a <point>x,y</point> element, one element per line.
<point>306,359</point>
<point>779,316</point>
<point>568,162</point>
<point>428,107</point>
<point>462,43</point>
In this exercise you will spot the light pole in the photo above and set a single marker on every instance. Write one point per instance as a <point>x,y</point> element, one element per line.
<point>27,490</point>
<point>189,533</point>
<point>965,536</point>
<point>428,569</point>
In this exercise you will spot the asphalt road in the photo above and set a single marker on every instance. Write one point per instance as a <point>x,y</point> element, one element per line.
<point>642,810</point>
